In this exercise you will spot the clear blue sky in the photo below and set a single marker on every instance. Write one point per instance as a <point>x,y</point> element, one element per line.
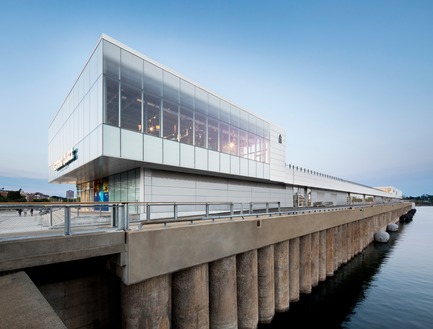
<point>350,81</point>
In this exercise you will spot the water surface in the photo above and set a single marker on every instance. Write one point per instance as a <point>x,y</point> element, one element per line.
<point>387,286</point>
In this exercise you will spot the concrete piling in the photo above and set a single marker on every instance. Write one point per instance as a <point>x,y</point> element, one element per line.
<point>266,284</point>
<point>315,258</point>
<point>247,290</point>
<point>322,255</point>
<point>223,294</point>
<point>191,298</point>
<point>305,264</point>
<point>281,269</point>
<point>330,251</point>
<point>294,269</point>
<point>147,304</point>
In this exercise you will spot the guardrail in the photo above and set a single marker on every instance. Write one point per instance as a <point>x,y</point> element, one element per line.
<point>19,220</point>
<point>23,220</point>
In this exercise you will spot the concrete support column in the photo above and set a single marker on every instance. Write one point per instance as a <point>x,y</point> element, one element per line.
<point>190,291</point>
<point>305,264</point>
<point>358,237</point>
<point>315,260</point>
<point>355,239</point>
<point>352,241</point>
<point>336,247</point>
<point>330,251</point>
<point>281,270</point>
<point>265,257</point>
<point>366,232</point>
<point>348,242</point>
<point>223,294</point>
<point>371,229</point>
<point>345,237</point>
<point>322,255</point>
<point>247,289</point>
<point>147,304</point>
<point>294,269</point>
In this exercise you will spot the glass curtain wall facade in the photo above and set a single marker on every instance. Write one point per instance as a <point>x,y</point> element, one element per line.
<point>143,97</point>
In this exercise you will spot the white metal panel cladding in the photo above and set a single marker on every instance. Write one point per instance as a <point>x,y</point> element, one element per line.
<point>152,149</point>
<point>187,156</point>
<point>201,159</point>
<point>214,161</point>
<point>131,145</point>
<point>111,141</point>
<point>170,153</point>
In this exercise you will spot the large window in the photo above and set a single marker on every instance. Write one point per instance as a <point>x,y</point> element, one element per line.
<point>152,115</point>
<point>112,102</point>
<point>243,144</point>
<point>224,138</point>
<point>170,120</point>
<point>234,141</point>
<point>131,102</point>
<point>143,97</point>
<point>212,135</point>
<point>186,134</point>
<point>200,130</point>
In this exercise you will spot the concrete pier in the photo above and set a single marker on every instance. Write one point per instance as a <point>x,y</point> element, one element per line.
<point>247,290</point>
<point>305,264</point>
<point>230,274</point>
<point>281,268</point>
<point>315,258</point>
<point>266,284</point>
<point>147,304</point>
<point>322,255</point>
<point>190,289</point>
<point>223,312</point>
<point>330,252</point>
<point>294,269</point>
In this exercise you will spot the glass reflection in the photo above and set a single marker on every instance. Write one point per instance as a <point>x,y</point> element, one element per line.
<point>153,115</point>
<point>186,135</point>
<point>200,130</point>
<point>170,120</point>
<point>134,97</point>
<point>131,108</point>
<point>112,102</point>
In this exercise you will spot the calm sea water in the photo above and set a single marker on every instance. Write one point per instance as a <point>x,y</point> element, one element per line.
<point>388,286</point>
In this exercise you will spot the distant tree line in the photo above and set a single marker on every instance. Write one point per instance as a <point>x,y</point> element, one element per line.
<point>16,196</point>
<point>425,199</point>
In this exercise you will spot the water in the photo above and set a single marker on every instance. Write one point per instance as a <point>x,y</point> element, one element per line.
<point>388,286</point>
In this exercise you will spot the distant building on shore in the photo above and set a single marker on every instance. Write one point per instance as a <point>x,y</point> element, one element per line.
<point>69,194</point>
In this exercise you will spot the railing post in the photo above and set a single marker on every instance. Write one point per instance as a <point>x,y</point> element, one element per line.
<point>231,208</point>
<point>67,220</point>
<point>51,216</point>
<point>267,207</point>
<point>114,212</point>
<point>121,216</point>
<point>279,206</point>
<point>251,207</point>
<point>175,211</point>
<point>207,209</point>
<point>147,211</point>
<point>126,217</point>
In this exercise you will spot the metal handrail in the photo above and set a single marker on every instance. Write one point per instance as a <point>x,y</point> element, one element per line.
<point>120,214</point>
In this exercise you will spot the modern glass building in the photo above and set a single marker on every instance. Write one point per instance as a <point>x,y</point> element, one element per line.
<point>133,130</point>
